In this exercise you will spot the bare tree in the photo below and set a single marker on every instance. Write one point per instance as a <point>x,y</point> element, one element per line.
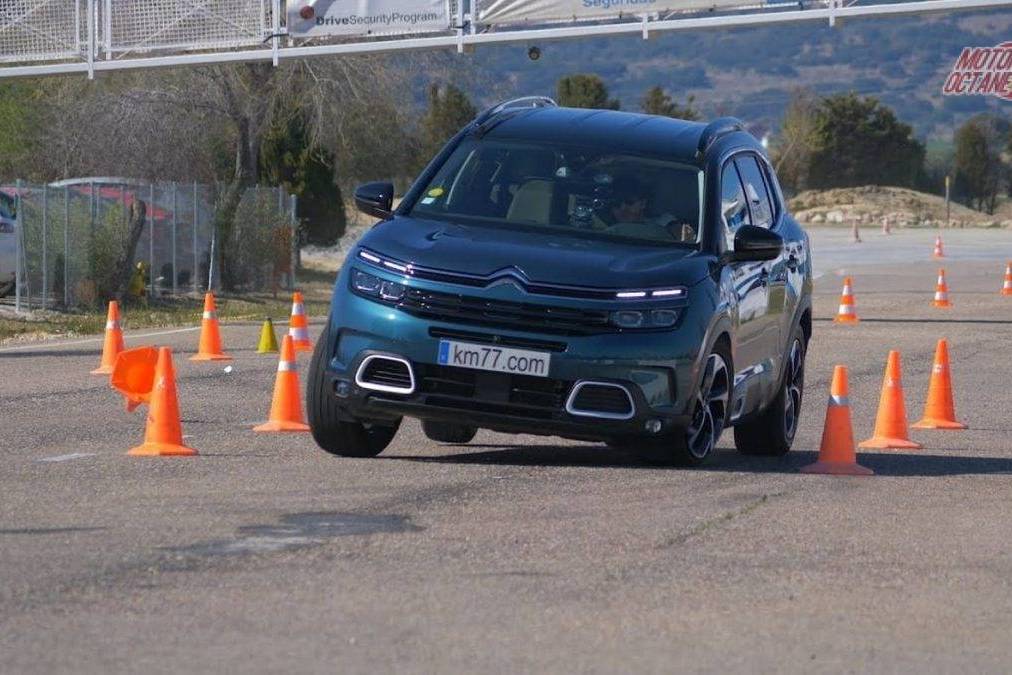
<point>799,139</point>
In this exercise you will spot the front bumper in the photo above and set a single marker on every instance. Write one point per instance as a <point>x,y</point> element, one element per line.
<point>656,369</point>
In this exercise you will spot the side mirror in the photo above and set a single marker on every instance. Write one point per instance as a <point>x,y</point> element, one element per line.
<point>375,199</point>
<point>755,244</point>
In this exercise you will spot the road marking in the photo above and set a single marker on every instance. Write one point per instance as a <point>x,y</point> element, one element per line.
<point>64,458</point>
<point>43,343</point>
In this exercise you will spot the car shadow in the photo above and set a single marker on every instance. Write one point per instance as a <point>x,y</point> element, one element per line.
<point>905,464</point>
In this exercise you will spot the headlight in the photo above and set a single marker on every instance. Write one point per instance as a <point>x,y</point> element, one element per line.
<point>649,318</point>
<point>367,284</point>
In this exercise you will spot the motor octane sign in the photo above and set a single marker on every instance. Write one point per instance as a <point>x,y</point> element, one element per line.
<point>981,71</point>
<point>314,18</point>
<point>509,11</point>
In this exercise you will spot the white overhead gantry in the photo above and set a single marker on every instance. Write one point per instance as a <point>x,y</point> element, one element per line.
<point>49,37</point>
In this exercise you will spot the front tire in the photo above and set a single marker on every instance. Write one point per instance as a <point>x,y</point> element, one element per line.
<point>331,433</point>
<point>771,432</point>
<point>693,445</point>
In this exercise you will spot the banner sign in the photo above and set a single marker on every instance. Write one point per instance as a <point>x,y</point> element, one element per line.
<point>512,11</point>
<point>318,18</point>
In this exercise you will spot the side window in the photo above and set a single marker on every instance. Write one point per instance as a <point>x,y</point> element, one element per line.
<point>755,188</point>
<point>733,207</point>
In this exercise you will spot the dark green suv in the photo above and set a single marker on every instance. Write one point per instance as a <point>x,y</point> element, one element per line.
<point>590,274</point>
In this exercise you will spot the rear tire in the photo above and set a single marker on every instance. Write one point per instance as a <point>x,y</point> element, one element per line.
<point>771,432</point>
<point>448,432</point>
<point>331,433</point>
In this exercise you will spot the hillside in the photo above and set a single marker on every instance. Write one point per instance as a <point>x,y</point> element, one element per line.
<point>750,72</point>
<point>869,205</point>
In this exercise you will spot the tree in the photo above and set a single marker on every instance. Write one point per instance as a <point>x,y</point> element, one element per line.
<point>799,139</point>
<point>584,91</point>
<point>657,102</point>
<point>861,142</point>
<point>980,172</point>
<point>449,111</point>
<point>288,159</point>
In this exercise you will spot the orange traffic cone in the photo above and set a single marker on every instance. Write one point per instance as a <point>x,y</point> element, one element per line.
<point>940,411</point>
<point>941,291</point>
<point>847,312</point>
<point>286,407</point>
<point>938,253</point>
<point>113,341</point>
<point>1007,288</point>
<point>298,326</point>
<point>134,375</point>
<point>164,433</point>
<point>210,334</point>
<point>891,422</point>
<point>836,453</point>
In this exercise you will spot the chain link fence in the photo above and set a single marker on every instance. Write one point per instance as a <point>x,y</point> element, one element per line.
<point>74,241</point>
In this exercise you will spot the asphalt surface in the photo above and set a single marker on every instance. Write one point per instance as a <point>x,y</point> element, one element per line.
<point>515,553</point>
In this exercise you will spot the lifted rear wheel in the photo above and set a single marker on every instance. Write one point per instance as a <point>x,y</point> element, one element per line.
<point>331,433</point>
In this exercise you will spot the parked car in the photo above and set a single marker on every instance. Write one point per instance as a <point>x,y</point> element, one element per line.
<point>8,243</point>
<point>596,275</point>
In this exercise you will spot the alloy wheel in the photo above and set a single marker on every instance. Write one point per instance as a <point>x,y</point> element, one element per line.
<point>710,413</point>
<point>795,385</point>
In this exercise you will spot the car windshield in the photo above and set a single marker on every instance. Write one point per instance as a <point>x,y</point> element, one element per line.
<point>582,191</point>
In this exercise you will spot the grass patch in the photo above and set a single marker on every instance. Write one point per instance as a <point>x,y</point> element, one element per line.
<point>163,314</point>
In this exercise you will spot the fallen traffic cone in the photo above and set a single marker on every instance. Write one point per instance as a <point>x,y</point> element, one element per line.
<point>298,326</point>
<point>836,452</point>
<point>210,334</point>
<point>113,341</point>
<point>1006,289</point>
<point>286,407</point>
<point>891,422</point>
<point>134,375</point>
<point>268,341</point>
<point>939,410</point>
<point>941,291</point>
<point>164,433</point>
<point>847,313</point>
<point>938,253</point>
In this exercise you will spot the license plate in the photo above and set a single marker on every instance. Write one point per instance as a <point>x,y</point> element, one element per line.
<point>491,357</point>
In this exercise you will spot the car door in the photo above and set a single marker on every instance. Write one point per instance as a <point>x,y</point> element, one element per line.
<point>767,329</point>
<point>751,293</point>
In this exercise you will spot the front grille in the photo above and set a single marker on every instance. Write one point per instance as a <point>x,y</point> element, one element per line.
<point>498,340</point>
<point>500,313</point>
<point>601,399</point>
<point>386,373</point>
<point>522,395</point>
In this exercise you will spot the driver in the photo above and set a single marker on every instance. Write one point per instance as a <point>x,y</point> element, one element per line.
<point>627,213</point>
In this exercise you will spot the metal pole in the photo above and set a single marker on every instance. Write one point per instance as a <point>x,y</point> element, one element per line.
<point>295,243</point>
<point>196,289</point>
<point>210,264</point>
<point>948,221</point>
<point>45,244</point>
<point>19,248</point>
<point>66,245</point>
<point>151,240</point>
<point>175,276</point>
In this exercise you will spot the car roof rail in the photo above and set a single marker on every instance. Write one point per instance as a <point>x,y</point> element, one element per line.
<point>719,127</point>
<point>515,104</point>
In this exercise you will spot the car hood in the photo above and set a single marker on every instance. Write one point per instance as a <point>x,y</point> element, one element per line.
<point>548,258</point>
